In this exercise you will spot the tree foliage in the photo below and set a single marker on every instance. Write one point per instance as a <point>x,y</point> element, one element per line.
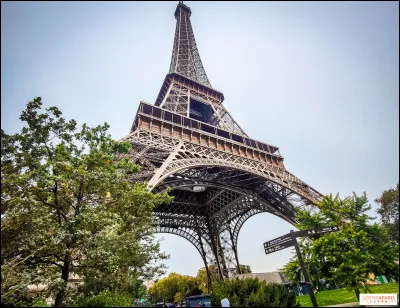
<point>174,288</point>
<point>68,208</point>
<point>245,269</point>
<point>251,292</point>
<point>203,278</point>
<point>348,256</point>
<point>202,275</point>
<point>94,286</point>
<point>389,211</point>
<point>106,298</point>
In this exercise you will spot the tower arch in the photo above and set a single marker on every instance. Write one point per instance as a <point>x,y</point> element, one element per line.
<point>220,177</point>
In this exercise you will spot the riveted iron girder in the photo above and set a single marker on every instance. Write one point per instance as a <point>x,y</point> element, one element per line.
<point>189,144</point>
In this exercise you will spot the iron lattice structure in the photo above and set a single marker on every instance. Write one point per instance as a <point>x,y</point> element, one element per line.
<point>188,142</point>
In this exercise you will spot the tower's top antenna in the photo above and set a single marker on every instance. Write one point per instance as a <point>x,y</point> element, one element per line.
<point>185,55</point>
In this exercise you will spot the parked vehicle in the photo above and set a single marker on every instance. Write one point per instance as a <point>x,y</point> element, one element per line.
<point>197,301</point>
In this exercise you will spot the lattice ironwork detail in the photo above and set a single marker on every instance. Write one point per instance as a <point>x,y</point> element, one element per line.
<point>188,142</point>
<point>185,55</point>
<point>178,97</point>
<point>193,155</point>
<point>215,188</point>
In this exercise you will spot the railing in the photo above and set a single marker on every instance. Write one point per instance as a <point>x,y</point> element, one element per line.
<point>175,118</point>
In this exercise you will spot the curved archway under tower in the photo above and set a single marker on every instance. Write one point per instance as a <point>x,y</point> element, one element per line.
<point>211,203</point>
<point>184,257</point>
<point>188,142</point>
<point>256,230</point>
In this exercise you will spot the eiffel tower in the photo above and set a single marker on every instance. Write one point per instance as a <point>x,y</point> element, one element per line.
<point>220,177</point>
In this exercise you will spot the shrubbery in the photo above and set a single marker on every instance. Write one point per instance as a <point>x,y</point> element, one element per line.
<point>40,302</point>
<point>251,292</point>
<point>106,298</point>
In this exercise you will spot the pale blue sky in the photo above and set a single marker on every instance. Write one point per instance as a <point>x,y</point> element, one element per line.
<point>320,80</point>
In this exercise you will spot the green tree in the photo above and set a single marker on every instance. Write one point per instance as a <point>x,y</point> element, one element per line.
<point>67,207</point>
<point>250,292</point>
<point>203,278</point>
<point>93,286</point>
<point>292,270</point>
<point>389,211</point>
<point>245,269</point>
<point>350,255</point>
<point>106,298</point>
<point>202,275</point>
<point>174,287</point>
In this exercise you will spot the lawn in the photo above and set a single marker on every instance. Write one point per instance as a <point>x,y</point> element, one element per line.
<point>341,296</point>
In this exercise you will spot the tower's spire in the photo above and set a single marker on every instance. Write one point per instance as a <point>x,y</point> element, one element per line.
<point>185,56</point>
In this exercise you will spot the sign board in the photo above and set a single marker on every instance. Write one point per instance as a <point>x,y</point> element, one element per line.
<point>285,241</point>
<point>280,246</point>
<point>278,240</point>
<point>384,299</point>
<point>288,240</point>
<point>316,231</point>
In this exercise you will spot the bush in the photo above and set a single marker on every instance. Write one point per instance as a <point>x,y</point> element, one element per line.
<point>18,296</point>
<point>106,298</point>
<point>24,300</point>
<point>40,302</point>
<point>251,292</point>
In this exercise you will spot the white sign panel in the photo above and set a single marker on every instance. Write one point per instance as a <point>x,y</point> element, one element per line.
<point>378,299</point>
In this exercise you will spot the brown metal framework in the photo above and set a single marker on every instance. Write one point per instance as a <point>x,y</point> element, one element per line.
<point>188,142</point>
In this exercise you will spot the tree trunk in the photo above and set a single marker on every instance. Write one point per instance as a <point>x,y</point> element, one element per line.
<point>357,290</point>
<point>64,276</point>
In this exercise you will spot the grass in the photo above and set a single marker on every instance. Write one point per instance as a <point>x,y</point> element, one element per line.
<point>341,296</point>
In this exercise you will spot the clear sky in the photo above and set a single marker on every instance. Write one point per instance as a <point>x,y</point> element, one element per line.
<point>320,80</point>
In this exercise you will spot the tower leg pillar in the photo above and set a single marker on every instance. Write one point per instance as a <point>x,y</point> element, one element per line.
<point>204,257</point>
<point>234,248</point>
<point>221,255</point>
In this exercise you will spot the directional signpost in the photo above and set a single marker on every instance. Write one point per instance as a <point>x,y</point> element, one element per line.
<point>280,246</point>
<point>283,240</point>
<point>288,240</point>
<point>316,231</point>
